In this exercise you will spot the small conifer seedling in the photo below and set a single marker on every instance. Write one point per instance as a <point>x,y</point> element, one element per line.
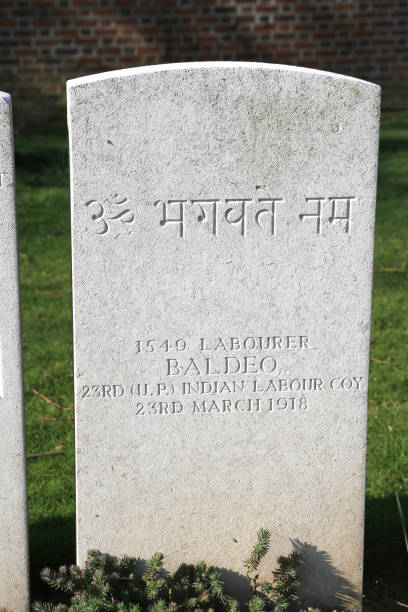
<point>106,584</point>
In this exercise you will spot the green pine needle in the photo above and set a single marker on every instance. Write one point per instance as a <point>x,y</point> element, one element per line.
<point>257,605</point>
<point>259,550</point>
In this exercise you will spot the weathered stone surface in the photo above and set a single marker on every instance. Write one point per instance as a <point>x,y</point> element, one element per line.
<point>223,220</point>
<point>13,509</point>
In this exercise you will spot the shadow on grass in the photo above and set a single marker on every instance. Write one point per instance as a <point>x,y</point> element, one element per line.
<point>385,558</point>
<point>42,160</point>
<point>52,544</point>
<point>393,144</point>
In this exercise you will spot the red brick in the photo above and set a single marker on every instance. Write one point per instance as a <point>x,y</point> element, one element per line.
<point>19,33</point>
<point>69,33</point>
<point>103,11</point>
<point>64,12</point>
<point>363,15</point>
<point>267,9</point>
<point>90,60</point>
<point>105,32</point>
<point>266,46</point>
<point>24,52</point>
<point>287,55</point>
<point>125,22</point>
<point>28,70</point>
<point>110,50</point>
<point>45,23</point>
<point>127,41</point>
<point>46,42</point>
<point>148,49</point>
<point>306,8</point>
<point>87,41</point>
<point>305,45</point>
<point>85,22</point>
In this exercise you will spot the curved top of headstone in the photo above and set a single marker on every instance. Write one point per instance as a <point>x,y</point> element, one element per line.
<point>310,73</point>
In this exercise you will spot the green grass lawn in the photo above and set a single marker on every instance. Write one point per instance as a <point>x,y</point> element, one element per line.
<point>43,215</point>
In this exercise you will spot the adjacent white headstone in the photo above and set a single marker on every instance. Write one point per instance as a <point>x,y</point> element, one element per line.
<point>223,221</point>
<point>13,507</point>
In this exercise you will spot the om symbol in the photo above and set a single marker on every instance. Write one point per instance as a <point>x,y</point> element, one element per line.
<point>111,210</point>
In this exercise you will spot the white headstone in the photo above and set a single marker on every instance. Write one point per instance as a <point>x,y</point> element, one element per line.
<point>223,221</point>
<point>14,574</point>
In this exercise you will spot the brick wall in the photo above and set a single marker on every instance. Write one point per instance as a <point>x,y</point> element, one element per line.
<point>45,42</point>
